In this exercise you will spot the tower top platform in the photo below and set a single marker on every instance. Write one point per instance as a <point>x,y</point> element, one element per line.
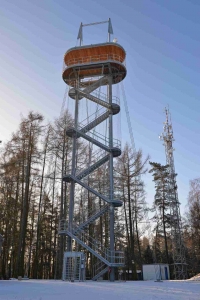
<point>94,60</point>
<point>97,52</point>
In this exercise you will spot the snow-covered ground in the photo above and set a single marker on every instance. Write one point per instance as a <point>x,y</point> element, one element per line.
<point>195,278</point>
<point>59,290</point>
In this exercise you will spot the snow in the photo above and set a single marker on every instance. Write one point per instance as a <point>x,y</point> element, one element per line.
<point>195,278</point>
<point>89,290</point>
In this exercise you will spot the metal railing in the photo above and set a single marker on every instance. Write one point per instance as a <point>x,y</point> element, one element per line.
<point>91,213</point>
<point>101,138</point>
<point>104,97</point>
<point>96,156</point>
<point>93,59</point>
<point>115,257</point>
<point>98,267</point>
<point>92,117</point>
<point>115,194</point>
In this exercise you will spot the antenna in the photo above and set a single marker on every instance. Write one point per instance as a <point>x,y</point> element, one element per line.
<point>80,32</point>
<point>180,266</point>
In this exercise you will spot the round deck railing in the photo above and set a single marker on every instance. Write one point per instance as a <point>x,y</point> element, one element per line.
<point>93,59</point>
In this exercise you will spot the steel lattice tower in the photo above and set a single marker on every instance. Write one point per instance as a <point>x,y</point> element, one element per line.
<point>180,266</point>
<point>104,65</point>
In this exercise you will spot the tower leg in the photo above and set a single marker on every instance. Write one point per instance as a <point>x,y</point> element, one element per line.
<point>112,241</point>
<point>112,237</point>
<point>72,187</point>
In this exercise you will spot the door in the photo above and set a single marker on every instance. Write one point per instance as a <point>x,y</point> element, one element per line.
<point>166,273</point>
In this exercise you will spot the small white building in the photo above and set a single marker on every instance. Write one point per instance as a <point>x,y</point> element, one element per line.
<point>156,272</point>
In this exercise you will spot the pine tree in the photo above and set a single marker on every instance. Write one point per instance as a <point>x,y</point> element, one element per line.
<point>148,255</point>
<point>192,227</point>
<point>161,202</point>
<point>128,168</point>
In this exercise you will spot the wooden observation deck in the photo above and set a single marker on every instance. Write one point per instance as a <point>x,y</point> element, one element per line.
<point>94,60</point>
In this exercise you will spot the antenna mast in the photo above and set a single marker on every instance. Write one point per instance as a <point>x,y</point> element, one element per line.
<point>180,266</point>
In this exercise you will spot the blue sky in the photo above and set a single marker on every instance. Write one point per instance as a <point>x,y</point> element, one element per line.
<point>162,42</point>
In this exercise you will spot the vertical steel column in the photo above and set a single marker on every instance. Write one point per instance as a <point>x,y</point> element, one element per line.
<point>72,186</point>
<point>112,237</point>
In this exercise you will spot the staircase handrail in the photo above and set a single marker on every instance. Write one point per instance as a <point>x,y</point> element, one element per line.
<point>92,213</point>
<point>97,136</point>
<point>99,154</point>
<point>93,116</point>
<point>106,192</point>
<point>111,256</point>
<point>98,267</point>
<point>104,97</point>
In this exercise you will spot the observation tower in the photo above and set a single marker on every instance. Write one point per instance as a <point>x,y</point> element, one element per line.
<point>91,72</point>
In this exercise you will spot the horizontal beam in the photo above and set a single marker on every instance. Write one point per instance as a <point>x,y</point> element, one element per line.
<point>95,23</point>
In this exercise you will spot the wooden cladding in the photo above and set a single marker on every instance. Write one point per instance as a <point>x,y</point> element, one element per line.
<point>92,53</point>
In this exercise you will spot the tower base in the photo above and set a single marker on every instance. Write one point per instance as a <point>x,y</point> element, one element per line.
<point>73,266</point>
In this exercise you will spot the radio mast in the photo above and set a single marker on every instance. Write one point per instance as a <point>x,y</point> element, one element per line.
<point>180,266</point>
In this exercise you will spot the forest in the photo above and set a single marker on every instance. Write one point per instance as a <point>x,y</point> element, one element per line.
<point>34,199</point>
